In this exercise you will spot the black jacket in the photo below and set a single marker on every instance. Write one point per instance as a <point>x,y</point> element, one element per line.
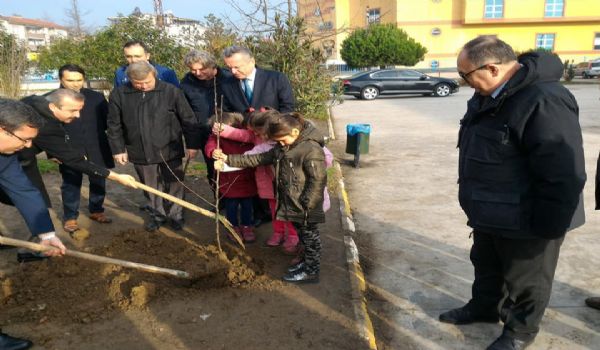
<point>149,124</point>
<point>88,132</point>
<point>300,175</point>
<point>271,89</point>
<point>521,164</point>
<point>54,140</point>
<point>201,94</point>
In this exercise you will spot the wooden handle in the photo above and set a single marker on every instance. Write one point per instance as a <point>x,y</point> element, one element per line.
<point>97,258</point>
<point>192,207</point>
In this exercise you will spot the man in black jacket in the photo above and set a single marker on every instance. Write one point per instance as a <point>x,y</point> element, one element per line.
<point>254,88</point>
<point>88,134</point>
<point>521,176</point>
<point>58,108</point>
<point>146,120</point>
<point>199,87</point>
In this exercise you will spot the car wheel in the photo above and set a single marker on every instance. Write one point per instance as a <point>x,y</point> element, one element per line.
<point>369,93</point>
<point>442,90</point>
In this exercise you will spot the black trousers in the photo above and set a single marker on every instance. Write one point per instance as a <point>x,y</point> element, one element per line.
<point>515,273</point>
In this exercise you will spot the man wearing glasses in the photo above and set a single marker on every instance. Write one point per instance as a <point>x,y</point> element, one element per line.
<point>521,175</point>
<point>60,107</point>
<point>19,124</point>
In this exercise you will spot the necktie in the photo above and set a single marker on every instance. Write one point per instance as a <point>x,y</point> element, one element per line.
<point>248,90</point>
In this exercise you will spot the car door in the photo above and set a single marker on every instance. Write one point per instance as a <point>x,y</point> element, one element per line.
<point>387,81</point>
<point>413,81</point>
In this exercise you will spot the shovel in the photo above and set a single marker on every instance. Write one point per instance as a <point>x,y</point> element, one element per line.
<point>97,258</point>
<point>192,207</point>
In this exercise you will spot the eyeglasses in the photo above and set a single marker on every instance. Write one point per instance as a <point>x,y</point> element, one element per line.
<point>466,75</point>
<point>20,138</point>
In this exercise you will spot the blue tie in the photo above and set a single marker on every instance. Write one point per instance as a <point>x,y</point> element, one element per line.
<point>247,90</point>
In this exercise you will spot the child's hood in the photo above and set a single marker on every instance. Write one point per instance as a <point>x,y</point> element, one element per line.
<point>310,132</point>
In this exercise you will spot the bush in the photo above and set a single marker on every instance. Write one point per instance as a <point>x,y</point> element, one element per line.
<point>13,64</point>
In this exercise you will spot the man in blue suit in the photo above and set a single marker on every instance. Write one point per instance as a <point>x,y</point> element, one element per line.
<point>254,88</point>
<point>19,124</point>
<point>135,51</point>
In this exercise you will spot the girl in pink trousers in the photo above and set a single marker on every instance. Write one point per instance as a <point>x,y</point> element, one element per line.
<point>264,176</point>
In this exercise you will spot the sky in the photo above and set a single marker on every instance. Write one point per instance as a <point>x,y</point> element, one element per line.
<point>96,11</point>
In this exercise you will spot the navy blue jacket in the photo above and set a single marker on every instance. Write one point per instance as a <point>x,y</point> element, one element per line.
<point>271,89</point>
<point>163,73</point>
<point>201,94</point>
<point>25,196</point>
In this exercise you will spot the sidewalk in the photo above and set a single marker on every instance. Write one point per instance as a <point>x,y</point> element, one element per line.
<point>413,240</point>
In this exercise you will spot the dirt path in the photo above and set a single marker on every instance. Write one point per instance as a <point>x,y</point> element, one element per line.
<point>69,303</point>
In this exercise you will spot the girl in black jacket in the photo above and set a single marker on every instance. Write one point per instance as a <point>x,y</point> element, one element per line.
<point>300,178</point>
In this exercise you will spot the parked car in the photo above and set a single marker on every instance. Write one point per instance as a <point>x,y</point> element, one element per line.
<point>369,85</point>
<point>587,69</point>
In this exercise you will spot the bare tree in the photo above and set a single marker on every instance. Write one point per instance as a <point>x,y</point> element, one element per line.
<point>258,16</point>
<point>77,26</point>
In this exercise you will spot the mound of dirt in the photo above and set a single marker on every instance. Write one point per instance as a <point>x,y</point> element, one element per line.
<point>69,289</point>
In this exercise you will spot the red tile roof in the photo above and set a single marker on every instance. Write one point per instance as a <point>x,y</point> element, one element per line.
<point>31,22</point>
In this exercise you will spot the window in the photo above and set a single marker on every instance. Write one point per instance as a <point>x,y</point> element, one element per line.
<point>493,8</point>
<point>554,8</point>
<point>410,74</point>
<point>385,74</point>
<point>373,16</point>
<point>597,41</point>
<point>544,41</point>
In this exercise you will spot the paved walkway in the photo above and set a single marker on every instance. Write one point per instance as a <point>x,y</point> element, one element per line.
<point>412,236</point>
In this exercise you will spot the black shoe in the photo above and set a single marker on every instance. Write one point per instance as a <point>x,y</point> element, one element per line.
<point>29,257</point>
<point>11,343</point>
<point>176,225</point>
<point>296,267</point>
<point>504,342</point>
<point>463,315</point>
<point>593,302</point>
<point>152,225</point>
<point>301,276</point>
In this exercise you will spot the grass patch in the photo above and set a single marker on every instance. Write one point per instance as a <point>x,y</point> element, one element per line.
<point>47,166</point>
<point>333,178</point>
<point>196,169</point>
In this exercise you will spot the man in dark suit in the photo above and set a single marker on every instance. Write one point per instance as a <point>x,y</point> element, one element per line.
<point>136,51</point>
<point>87,133</point>
<point>19,124</point>
<point>254,87</point>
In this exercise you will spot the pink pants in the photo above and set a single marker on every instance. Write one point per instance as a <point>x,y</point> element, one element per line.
<point>279,226</point>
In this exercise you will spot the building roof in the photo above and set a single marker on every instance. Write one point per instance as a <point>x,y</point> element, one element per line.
<point>31,22</point>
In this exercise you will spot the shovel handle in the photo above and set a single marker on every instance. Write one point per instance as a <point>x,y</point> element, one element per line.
<point>97,258</point>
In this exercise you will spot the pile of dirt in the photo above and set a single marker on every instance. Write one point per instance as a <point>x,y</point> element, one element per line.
<point>68,289</point>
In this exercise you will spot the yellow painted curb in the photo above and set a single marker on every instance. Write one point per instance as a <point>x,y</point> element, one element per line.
<point>357,278</point>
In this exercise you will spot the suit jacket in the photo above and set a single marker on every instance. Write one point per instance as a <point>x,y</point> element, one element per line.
<point>271,89</point>
<point>25,196</point>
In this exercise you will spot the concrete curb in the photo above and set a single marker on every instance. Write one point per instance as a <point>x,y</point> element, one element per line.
<point>355,273</point>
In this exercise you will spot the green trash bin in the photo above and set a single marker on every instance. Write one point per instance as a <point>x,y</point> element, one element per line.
<point>357,134</point>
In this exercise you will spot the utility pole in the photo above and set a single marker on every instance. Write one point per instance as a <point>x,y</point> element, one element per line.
<point>158,12</point>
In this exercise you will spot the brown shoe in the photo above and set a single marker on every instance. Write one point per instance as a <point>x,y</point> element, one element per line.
<point>71,225</point>
<point>593,302</point>
<point>101,218</point>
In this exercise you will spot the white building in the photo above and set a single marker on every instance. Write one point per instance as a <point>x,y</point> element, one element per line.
<point>34,32</point>
<point>184,30</point>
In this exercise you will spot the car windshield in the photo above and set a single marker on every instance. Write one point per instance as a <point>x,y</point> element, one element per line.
<point>356,75</point>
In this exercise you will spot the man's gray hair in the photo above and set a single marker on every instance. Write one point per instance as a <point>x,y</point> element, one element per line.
<point>58,96</point>
<point>204,58</point>
<point>140,70</point>
<point>488,49</point>
<point>232,50</point>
